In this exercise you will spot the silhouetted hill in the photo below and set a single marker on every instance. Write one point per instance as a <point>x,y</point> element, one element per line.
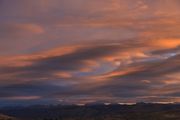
<point>96,112</point>
<point>5,117</point>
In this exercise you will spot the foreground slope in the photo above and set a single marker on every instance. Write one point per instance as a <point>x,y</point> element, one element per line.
<point>96,112</point>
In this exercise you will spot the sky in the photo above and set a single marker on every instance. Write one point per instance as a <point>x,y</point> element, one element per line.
<point>83,51</point>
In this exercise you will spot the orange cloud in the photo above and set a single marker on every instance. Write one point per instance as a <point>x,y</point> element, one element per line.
<point>21,29</point>
<point>63,75</point>
<point>165,43</point>
<point>33,28</point>
<point>23,98</point>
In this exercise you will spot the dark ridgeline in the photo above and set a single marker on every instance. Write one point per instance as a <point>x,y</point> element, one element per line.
<point>140,111</point>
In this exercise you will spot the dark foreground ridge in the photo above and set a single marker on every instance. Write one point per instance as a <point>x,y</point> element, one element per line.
<point>139,111</point>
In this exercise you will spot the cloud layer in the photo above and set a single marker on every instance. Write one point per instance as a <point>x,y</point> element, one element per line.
<point>84,51</point>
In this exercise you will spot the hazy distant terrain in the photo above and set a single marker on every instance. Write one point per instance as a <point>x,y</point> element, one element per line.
<point>94,112</point>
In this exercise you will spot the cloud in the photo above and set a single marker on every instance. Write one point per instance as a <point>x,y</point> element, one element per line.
<point>154,69</point>
<point>67,72</point>
<point>38,25</point>
<point>89,50</point>
<point>18,36</point>
<point>20,30</point>
<point>66,62</point>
